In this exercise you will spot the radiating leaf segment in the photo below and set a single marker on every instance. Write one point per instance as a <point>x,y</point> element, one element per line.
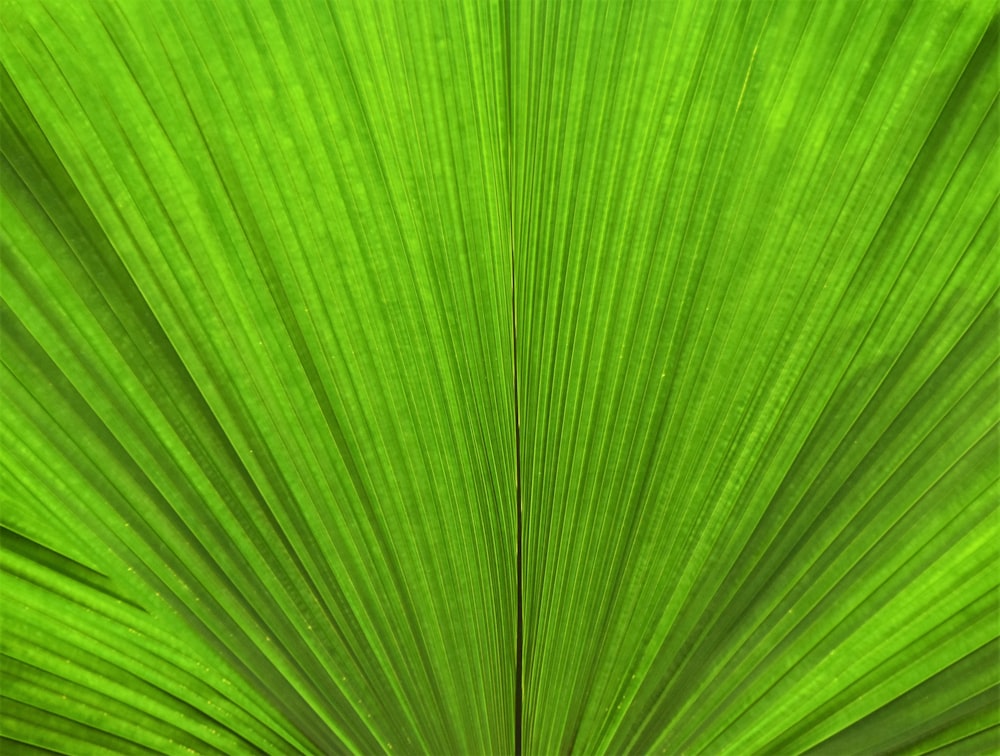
<point>269,267</point>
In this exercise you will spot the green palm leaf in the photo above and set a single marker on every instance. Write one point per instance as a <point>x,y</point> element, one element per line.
<point>481,378</point>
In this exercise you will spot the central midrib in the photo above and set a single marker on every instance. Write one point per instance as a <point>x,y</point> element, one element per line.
<point>519,562</point>
<point>519,633</point>
<point>519,568</point>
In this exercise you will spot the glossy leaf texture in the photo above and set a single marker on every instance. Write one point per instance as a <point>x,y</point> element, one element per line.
<point>359,356</point>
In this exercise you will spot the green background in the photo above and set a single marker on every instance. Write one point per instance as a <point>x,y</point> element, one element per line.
<point>311,309</point>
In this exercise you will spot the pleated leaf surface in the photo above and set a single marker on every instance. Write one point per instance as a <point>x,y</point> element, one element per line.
<point>500,377</point>
<point>757,339</point>
<point>257,283</point>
